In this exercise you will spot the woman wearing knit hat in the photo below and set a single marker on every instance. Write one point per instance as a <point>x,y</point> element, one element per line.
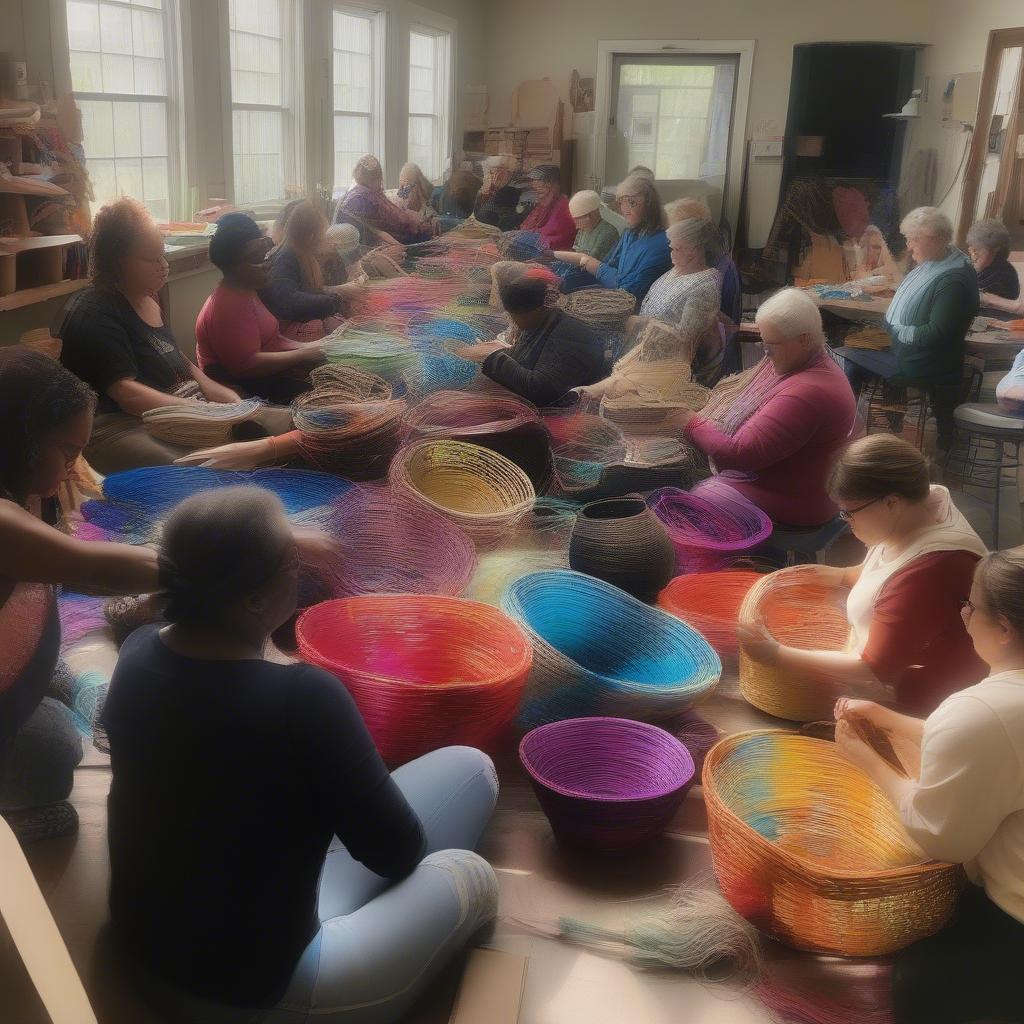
<point>595,236</point>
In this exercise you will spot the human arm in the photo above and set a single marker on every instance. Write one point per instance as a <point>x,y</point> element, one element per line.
<point>212,390</point>
<point>286,297</point>
<point>241,455</point>
<point>575,258</point>
<point>33,552</point>
<point>949,316</point>
<point>906,726</point>
<point>1005,305</point>
<point>652,260</point>
<point>134,398</point>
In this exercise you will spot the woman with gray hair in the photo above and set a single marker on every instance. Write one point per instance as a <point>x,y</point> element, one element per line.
<point>928,320</point>
<point>988,243</point>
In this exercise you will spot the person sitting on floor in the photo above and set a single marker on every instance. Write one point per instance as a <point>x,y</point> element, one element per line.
<point>776,440</point>
<point>238,340</point>
<point>928,320</point>
<point>115,338</point>
<point>45,422</point>
<point>962,801</point>
<point>355,886</point>
<point>988,243</point>
<point>550,218</point>
<point>642,253</point>
<point>595,236</point>
<point>365,204</point>
<point>552,353</point>
<point>908,645</point>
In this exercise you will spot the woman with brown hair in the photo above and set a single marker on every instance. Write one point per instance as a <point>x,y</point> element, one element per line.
<point>962,800</point>
<point>908,646</point>
<point>366,206</point>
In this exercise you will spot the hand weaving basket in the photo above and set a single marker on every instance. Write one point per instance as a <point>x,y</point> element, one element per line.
<point>606,784</point>
<point>710,602</point>
<point>480,491</point>
<point>811,851</point>
<point>598,651</point>
<point>798,609</point>
<point>425,671</point>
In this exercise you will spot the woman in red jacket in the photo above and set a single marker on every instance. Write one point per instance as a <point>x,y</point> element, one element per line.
<point>550,218</point>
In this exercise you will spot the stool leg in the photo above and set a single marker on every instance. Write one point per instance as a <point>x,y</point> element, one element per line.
<point>999,487</point>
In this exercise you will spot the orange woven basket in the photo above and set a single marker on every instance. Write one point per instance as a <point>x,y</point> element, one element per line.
<point>810,850</point>
<point>710,602</point>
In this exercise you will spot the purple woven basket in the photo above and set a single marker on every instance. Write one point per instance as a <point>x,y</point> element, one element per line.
<point>607,785</point>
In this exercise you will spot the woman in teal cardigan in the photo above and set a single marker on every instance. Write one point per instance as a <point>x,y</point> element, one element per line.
<point>928,319</point>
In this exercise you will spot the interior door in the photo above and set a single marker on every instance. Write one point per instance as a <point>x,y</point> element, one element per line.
<point>673,114</point>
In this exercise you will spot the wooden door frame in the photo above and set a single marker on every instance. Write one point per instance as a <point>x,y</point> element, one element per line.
<point>998,40</point>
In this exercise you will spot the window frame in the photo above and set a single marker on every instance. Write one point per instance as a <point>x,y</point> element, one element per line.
<point>444,87</point>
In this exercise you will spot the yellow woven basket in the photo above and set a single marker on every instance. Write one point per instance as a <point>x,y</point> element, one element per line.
<point>810,850</point>
<point>798,610</point>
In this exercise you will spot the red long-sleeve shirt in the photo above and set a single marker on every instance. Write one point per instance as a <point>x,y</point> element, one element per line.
<point>554,222</point>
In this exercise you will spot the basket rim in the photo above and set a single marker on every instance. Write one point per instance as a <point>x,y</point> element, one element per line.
<point>645,727</point>
<point>511,669</point>
<point>749,611</point>
<point>814,872</point>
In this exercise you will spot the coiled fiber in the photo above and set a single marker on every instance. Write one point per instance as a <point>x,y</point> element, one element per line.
<point>710,602</point>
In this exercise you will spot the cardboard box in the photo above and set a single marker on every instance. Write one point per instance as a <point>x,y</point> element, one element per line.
<point>491,990</point>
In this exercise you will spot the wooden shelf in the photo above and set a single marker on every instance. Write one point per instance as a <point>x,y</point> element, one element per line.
<point>29,296</point>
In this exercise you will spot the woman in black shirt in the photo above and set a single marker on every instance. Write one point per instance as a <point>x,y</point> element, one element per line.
<point>260,851</point>
<point>114,338</point>
<point>988,243</point>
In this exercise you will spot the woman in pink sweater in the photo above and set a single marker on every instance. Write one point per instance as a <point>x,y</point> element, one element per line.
<point>776,441</point>
<point>550,218</point>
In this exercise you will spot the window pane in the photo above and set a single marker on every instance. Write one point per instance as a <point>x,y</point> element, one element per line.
<point>421,144</point>
<point>115,29</point>
<point>98,130</point>
<point>421,49</point>
<point>352,81</point>
<point>258,155</point>
<point>117,46</point>
<point>83,26</point>
<point>351,141</point>
<point>256,52</point>
<point>429,89</point>
<point>352,33</point>
<point>86,72</point>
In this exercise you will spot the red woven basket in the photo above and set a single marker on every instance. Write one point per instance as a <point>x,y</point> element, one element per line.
<point>710,602</point>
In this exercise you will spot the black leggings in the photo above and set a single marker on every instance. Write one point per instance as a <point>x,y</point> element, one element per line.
<point>971,971</point>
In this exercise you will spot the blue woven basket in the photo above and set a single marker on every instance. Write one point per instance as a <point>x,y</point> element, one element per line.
<point>598,651</point>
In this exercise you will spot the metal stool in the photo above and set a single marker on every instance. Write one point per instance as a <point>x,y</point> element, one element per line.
<point>805,545</point>
<point>987,431</point>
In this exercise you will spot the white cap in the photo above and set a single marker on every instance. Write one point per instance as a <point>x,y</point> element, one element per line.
<point>584,202</point>
<point>344,236</point>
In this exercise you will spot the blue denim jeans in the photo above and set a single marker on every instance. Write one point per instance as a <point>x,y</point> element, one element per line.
<point>37,765</point>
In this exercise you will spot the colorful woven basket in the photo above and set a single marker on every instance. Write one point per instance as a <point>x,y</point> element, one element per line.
<point>798,609</point>
<point>710,602</point>
<point>598,651</point>
<point>425,672</point>
<point>811,851</point>
<point>606,784</point>
<point>483,493</point>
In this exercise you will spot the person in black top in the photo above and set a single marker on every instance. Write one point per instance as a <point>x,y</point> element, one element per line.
<point>988,243</point>
<point>259,848</point>
<point>115,339</point>
<point>550,353</point>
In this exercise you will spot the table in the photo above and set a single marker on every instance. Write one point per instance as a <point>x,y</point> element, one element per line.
<point>860,311</point>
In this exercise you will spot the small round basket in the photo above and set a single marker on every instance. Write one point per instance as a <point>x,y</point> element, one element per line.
<point>710,602</point>
<point>810,850</point>
<point>425,671</point>
<point>800,610</point>
<point>607,785</point>
<point>482,492</point>
<point>599,651</point>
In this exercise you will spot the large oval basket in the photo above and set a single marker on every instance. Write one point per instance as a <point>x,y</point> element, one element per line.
<point>710,602</point>
<point>811,851</point>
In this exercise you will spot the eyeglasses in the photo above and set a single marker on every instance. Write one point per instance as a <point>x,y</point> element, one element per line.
<point>631,201</point>
<point>847,514</point>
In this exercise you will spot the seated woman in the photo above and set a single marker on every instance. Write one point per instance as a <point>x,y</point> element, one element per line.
<point>550,218</point>
<point>342,252</point>
<point>238,340</point>
<point>988,243</point>
<point>497,200</point>
<point>277,229</point>
<point>414,192</point>
<point>928,320</point>
<point>776,440</point>
<point>115,339</point>
<point>280,863</point>
<point>45,422</point>
<point>874,258</point>
<point>908,646</point>
<point>962,801</point>
<point>552,353</point>
<point>641,255</point>
<point>366,205</point>
<point>595,236</point>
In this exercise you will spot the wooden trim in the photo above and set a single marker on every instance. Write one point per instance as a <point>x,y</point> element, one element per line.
<point>998,40</point>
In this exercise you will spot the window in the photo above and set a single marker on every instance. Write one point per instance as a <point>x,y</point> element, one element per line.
<point>430,68</point>
<point>357,41</point>
<point>263,127</point>
<point>121,73</point>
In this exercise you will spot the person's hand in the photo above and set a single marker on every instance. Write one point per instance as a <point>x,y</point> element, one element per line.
<point>349,290</point>
<point>313,353</point>
<point>239,455</point>
<point>477,353</point>
<point>852,746</point>
<point>566,256</point>
<point>589,264</point>
<point>758,643</point>
<point>848,708</point>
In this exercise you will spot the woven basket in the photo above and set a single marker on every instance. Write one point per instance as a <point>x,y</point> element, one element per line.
<point>598,651</point>
<point>606,784</point>
<point>425,671</point>
<point>605,309</point>
<point>480,491</point>
<point>808,848</point>
<point>802,611</point>
<point>710,602</point>
<point>199,424</point>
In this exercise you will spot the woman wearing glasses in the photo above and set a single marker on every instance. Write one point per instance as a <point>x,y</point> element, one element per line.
<point>908,645</point>
<point>46,418</point>
<point>963,801</point>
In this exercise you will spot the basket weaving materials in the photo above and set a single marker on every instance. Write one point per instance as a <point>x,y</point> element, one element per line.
<point>387,356</point>
<point>808,849</point>
<point>199,424</point>
<point>522,246</point>
<point>605,309</point>
<point>478,490</point>
<point>425,671</point>
<point>598,651</point>
<point>494,569</point>
<point>709,527</point>
<point>710,602</point>
<point>606,784</point>
<point>472,228</point>
<point>377,265</point>
<point>798,609</point>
